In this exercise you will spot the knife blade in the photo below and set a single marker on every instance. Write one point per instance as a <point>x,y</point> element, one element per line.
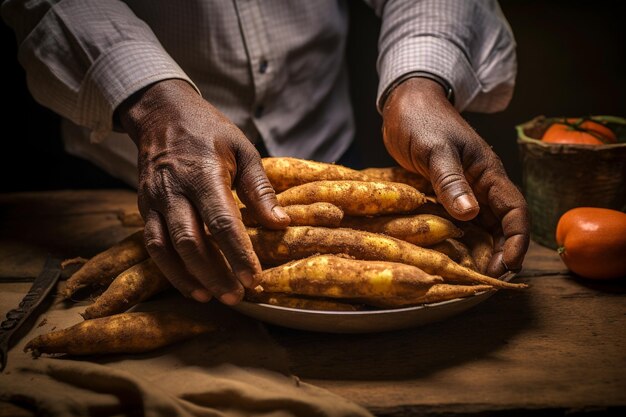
<point>16,317</point>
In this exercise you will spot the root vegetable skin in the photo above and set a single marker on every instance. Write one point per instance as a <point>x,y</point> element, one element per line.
<point>356,198</point>
<point>316,214</point>
<point>480,245</point>
<point>299,302</point>
<point>339,277</point>
<point>434,208</point>
<point>436,294</point>
<point>130,218</point>
<point>121,333</point>
<point>456,251</point>
<point>399,174</point>
<point>136,284</point>
<point>285,173</point>
<point>419,229</point>
<point>105,266</point>
<point>273,247</point>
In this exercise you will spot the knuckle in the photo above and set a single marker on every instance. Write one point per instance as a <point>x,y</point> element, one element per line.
<point>184,240</point>
<point>260,189</point>
<point>155,246</point>
<point>222,224</point>
<point>450,181</point>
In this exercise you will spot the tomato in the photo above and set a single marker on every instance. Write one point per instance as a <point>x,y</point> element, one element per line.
<point>580,132</point>
<point>592,242</point>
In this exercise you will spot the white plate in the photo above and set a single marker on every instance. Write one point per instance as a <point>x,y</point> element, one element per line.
<point>362,321</point>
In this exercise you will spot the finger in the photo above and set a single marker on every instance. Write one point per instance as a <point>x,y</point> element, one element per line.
<point>257,193</point>
<point>491,223</point>
<point>448,179</point>
<point>202,261</point>
<point>508,204</point>
<point>515,228</point>
<point>223,220</point>
<point>164,256</point>
<point>496,267</point>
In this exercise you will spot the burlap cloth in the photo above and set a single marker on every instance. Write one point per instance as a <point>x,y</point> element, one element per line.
<point>236,371</point>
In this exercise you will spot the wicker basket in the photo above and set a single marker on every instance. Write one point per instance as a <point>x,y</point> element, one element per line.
<point>556,178</point>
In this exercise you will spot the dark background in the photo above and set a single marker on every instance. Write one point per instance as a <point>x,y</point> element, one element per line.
<point>570,57</point>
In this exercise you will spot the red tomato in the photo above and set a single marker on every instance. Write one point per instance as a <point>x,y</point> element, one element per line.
<point>573,131</point>
<point>592,242</point>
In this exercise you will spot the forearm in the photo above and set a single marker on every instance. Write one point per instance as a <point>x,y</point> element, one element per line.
<point>468,44</point>
<point>84,58</point>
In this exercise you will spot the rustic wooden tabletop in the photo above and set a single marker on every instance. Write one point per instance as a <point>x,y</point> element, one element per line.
<point>558,348</point>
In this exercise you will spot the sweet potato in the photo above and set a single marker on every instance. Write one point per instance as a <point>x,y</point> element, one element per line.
<point>237,199</point>
<point>435,294</point>
<point>399,174</point>
<point>340,277</point>
<point>480,244</point>
<point>130,218</point>
<point>120,333</point>
<point>105,266</point>
<point>356,198</point>
<point>431,206</point>
<point>285,173</point>
<point>419,229</point>
<point>301,302</point>
<point>316,214</point>
<point>456,251</point>
<point>277,246</point>
<point>136,284</point>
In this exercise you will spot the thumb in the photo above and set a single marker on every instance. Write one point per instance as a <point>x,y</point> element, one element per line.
<point>451,186</point>
<point>256,192</point>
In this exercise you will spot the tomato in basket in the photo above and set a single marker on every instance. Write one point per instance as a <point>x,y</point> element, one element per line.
<point>583,131</point>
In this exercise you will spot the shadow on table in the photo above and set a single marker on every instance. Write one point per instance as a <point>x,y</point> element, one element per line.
<point>421,351</point>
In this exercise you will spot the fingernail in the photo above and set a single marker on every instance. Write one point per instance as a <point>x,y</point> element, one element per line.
<point>280,214</point>
<point>201,295</point>
<point>463,203</point>
<point>246,278</point>
<point>230,298</point>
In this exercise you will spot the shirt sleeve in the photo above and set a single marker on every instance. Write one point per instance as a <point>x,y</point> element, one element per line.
<point>83,58</point>
<point>466,43</point>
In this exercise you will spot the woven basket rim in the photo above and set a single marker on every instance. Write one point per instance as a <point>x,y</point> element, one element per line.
<point>523,138</point>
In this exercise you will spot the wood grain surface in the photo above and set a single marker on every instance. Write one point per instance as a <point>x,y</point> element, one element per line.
<point>557,348</point>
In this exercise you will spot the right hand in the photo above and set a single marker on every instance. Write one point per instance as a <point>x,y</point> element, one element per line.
<point>425,134</point>
<point>190,156</point>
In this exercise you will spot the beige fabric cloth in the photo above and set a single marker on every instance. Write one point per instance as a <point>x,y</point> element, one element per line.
<point>236,371</point>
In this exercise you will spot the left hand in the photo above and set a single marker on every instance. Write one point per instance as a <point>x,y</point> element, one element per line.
<point>424,133</point>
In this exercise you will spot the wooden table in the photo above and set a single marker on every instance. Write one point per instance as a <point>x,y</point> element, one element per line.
<point>558,348</point>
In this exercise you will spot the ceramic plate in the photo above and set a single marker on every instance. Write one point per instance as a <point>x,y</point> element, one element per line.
<point>362,321</point>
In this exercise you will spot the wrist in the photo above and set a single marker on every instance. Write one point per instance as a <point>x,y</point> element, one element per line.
<point>415,93</point>
<point>148,106</point>
<point>445,85</point>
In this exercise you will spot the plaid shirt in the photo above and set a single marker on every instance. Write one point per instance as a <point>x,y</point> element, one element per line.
<point>276,68</point>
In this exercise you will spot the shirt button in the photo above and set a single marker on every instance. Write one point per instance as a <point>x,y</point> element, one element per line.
<point>263,66</point>
<point>258,112</point>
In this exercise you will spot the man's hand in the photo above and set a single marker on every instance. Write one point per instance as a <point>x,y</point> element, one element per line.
<point>426,134</point>
<point>190,155</point>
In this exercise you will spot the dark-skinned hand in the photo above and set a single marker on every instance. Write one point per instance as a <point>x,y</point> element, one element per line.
<point>190,155</point>
<point>424,133</point>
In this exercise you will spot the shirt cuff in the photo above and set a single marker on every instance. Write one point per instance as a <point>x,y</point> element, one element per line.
<point>116,75</point>
<point>431,57</point>
<point>447,88</point>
